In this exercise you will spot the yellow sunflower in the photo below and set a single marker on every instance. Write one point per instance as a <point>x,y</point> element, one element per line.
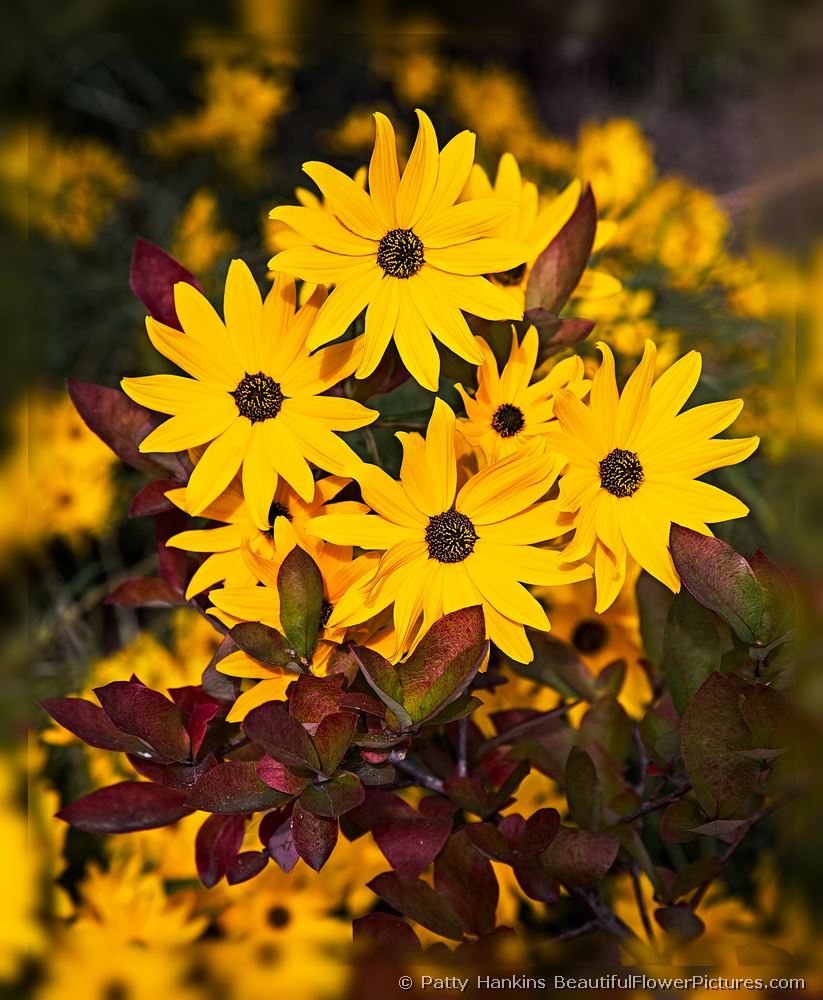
<point>343,578</point>
<point>446,548</point>
<point>239,528</point>
<point>507,414</point>
<point>634,460</point>
<point>536,224</point>
<point>406,251</point>
<point>255,392</point>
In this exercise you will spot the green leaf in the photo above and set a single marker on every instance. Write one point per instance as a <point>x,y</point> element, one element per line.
<point>300,586</point>
<point>720,579</point>
<point>693,875</point>
<point>264,643</point>
<point>711,730</point>
<point>680,922</point>
<point>611,677</point>
<point>583,790</point>
<point>694,640</point>
<point>778,598</point>
<point>334,797</point>
<point>769,717</point>
<point>606,723</point>
<point>384,681</point>
<point>557,665</point>
<point>678,822</point>
<point>660,736</point>
<point>653,602</point>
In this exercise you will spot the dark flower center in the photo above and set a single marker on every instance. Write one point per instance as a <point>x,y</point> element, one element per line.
<point>513,276</point>
<point>258,397</point>
<point>400,253</point>
<point>116,990</point>
<point>326,609</point>
<point>276,510</point>
<point>450,537</point>
<point>621,473</point>
<point>590,637</point>
<point>277,917</point>
<point>508,420</point>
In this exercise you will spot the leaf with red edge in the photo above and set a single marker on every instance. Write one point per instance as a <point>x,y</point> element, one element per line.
<point>419,902</point>
<point>314,836</point>
<point>411,843</point>
<point>557,271</point>
<point>139,711</point>
<point>122,424</point>
<point>311,699</point>
<point>276,836</point>
<point>581,857</point>
<point>91,724</point>
<point>144,592</point>
<point>464,877</point>
<point>384,681</point>
<point>152,277</point>
<point>234,787</point>
<point>300,586</point>
<point>281,736</point>
<point>720,579</point>
<point>247,865</point>
<point>332,739</point>
<point>334,797</point>
<point>385,934</point>
<point>126,807</point>
<point>278,776</point>
<point>198,723</point>
<point>151,499</point>
<point>217,844</point>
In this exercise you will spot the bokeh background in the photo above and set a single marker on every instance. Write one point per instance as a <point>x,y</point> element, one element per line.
<point>698,127</point>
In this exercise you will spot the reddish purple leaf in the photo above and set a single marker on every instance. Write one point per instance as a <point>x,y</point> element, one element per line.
<point>557,334</point>
<point>91,724</point>
<point>191,696</point>
<point>380,806</point>
<point>313,698</point>
<point>184,776</point>
<point>410,844</point>
<point>535,879</point>
<point>152,277</point>
<point>332,739</point>
<point>581,857</point>
<point>126,807</point>
<point>198,723</point>
<point>314,836</point>
<point>334,797</point>
<point>246,866</point>
<point>513,827</point>
<point>490,841</point>
<point>152,499</point>
<point>363,703</point>
<point>466,880</point>
<point>557,271</point>
<point>276,836</point>
<point>385,934</point>
<point>281,736</point>
<point>541,829</point>
<point>419,902</point>
<point>262,642</point>
<point>122,424</point>
<point>234,787</point>
<point>144,592</point>
<point>139,711</point>
<point>278,776</point>
<point>217,845</point>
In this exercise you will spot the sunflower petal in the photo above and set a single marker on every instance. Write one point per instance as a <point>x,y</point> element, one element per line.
<point>486,255</point>
<point>420,176</point>
<point>346,199</point>
<point>218,465</point>
<point>384,175</point>
<point>324,230</point>
<point>634,400</point>
<point>464,222</point>
<point>346,302</point>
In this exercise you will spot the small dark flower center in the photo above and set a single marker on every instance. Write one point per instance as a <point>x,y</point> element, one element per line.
<point>400,253</point>
<point>590,637</point>
<point>450,537</point>
<point>258,397</point>
<point>621,473</point>
<point>116,990</point>
<point>513,276</point>
<point>326,609</point>
<point>508,420</point>
<point>277,917</point>
<point>276,510</point>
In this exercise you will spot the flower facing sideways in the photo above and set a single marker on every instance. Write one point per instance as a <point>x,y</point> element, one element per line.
<point>225,561</point>
<point>634,460</point>
<point>447,548</point>
<point>254,393</point>
<point>405,252</point>
<point>507,414</point>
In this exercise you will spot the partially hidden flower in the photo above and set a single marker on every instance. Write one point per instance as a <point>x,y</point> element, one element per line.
<point>633,465</point>
<point>405,252</point>
<point>254,395</point>
<point>447,548</point>
<point>224,544</point>
<point>507,413</point>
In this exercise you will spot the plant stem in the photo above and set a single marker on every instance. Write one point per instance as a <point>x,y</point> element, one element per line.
<point>516,731</point>
<point>462,736</point>
<point>650,807</point>
<point>422,777</point>
<point>641,903</point>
